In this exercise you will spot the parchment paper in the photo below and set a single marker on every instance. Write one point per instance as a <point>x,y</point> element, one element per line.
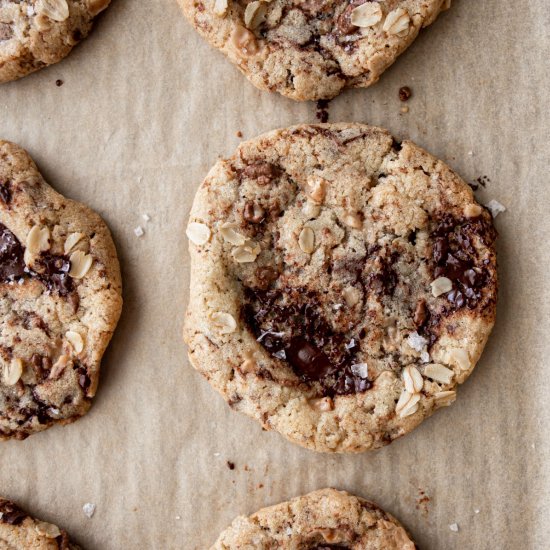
<point>145,109</point>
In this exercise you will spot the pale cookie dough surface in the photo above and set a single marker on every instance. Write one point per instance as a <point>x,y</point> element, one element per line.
<point>322,520</point>
<point>311,49</point>
<point>37,33</point>
<point>60,299</point>
<point>19,531</point>
<point>342,284</point>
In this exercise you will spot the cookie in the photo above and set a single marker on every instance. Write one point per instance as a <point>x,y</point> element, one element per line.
<point>60,299</point>
<point>19,531</point>
<point>311,49</point>
<point>38,33</point>
<point>342,284</point>
<point>320,520</point>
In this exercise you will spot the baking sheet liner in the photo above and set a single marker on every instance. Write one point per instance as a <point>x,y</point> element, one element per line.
<point>146,107</point>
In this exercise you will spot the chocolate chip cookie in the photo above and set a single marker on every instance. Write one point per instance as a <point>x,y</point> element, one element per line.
<point>311,49</point>
<point>37,33</point>
<point>60,300</point>
<point>19,531</point>
<point>321,520</point>
<point>342,284</point>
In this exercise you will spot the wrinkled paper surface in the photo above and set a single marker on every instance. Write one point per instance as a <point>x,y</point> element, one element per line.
<point>145,109</point>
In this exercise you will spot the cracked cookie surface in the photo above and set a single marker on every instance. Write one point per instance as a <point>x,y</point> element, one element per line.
<point>311,49</point>
<point>342,284</point>
<point>60,299</point>
<point>38,33</point>
<point>325,519</point>
<point>20,531</point>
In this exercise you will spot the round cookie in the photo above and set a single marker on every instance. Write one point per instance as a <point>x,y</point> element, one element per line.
<point>37,33</point>
<point>19,531</point>
<point>342,284</point>
<point>60,300</point>
<point>311,49</point>
<point>325,519</point>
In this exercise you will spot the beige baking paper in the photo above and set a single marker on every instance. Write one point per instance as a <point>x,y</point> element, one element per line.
<point>146,107</point>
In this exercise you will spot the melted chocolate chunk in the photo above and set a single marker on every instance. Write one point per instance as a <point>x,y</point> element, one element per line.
<point>420,313</point>
<point>455,257</point>
<point>5,192</point>
<point>11,513</point>
<point>83,378</point>
<point>308,360</point>
<point>12,265</point>
<point>6,31</point>
<point>299,333</point>
<point>54,270</point>
<point>262,172</point>
<point>344,24</point>
<point>55,274</point>
<point>396,145</point>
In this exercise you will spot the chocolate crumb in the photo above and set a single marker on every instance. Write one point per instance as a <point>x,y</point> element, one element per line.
<point>239,134</point>
<point>322,113</point>
<point>483,180</point>
<point>230,465</point>
<point>405,93</point>
<point>59,82</point>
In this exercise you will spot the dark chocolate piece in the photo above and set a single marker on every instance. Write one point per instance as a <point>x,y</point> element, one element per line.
<point>298,333</point>
<point>53,270</point>
<point>455,257</point>
<point>11,513</point>
<point>12,265</point>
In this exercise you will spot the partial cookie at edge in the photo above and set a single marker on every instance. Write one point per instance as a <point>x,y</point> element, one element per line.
<point>322,519</point>
<point>60,299</point>
<point>35,34</point>
<point>311,50</point>
<point>20,531</point>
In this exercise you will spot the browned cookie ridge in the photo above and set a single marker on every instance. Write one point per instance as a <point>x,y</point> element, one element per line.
<point>322,520</point>
<point>38,33</point>
<point>343,284</point>
<point>60,300</point>
<point>311,49</point>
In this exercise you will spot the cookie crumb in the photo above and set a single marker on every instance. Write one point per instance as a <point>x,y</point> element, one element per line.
<point>405,93</point>
<point>423,502</point>
<point>139,231</point>
<point>322,110</point>
<point>239,134</point>
<point>88,509</point>
<point>230,465</point>
<point>59,82</point>
<point>495,207</point>
<point>404,109</point>
<point>454,527</point>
